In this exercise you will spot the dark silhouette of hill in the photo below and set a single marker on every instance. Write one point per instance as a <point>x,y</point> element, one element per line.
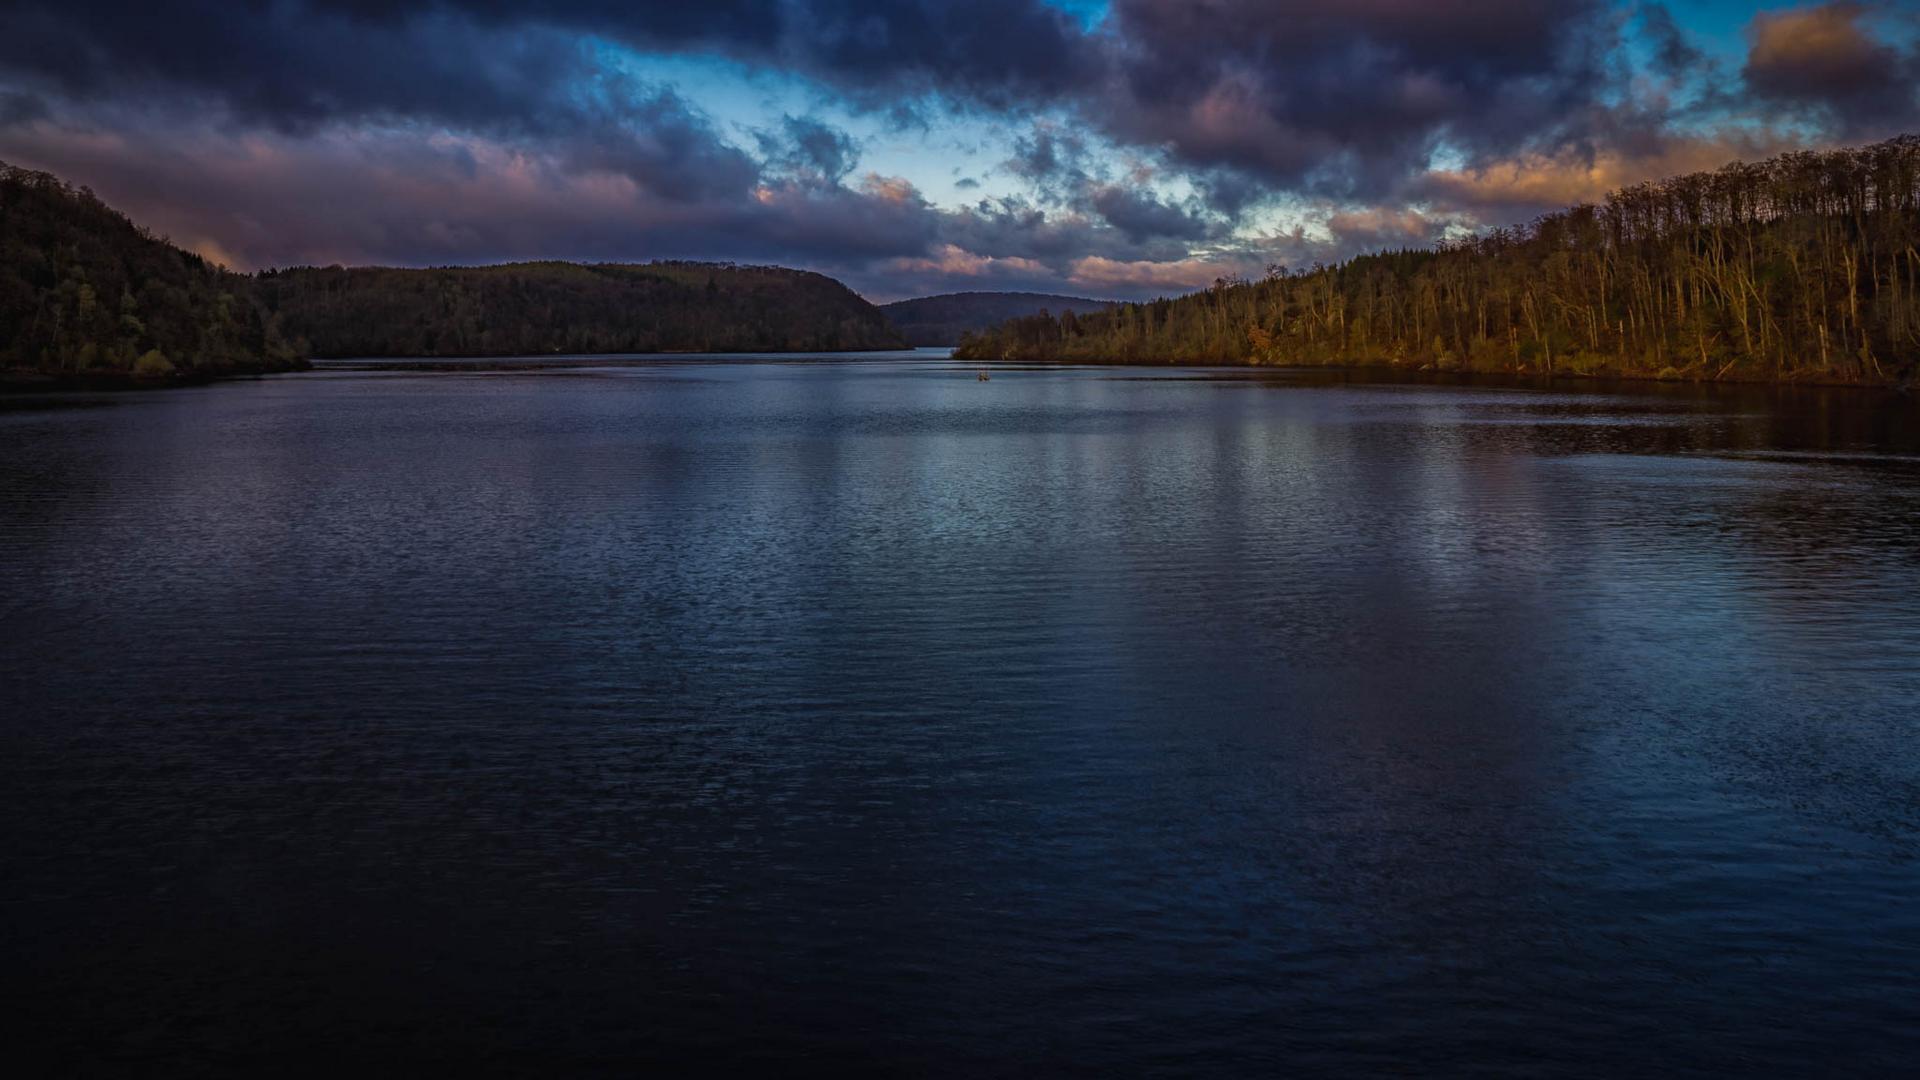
<point>545,307</point>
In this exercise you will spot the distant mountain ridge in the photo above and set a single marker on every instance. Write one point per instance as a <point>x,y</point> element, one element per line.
<point>943,319</point>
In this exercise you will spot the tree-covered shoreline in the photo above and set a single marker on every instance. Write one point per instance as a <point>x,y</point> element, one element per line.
<point>89,299</point>
<point>1803,268</point>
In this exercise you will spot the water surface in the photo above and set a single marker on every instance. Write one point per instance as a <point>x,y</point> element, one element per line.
<point>859,714</point>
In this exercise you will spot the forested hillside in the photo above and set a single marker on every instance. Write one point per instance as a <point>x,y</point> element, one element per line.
<point>84,292</point>
<point>945,319</point>
<point>532,308</point>
<point>1803,267</point>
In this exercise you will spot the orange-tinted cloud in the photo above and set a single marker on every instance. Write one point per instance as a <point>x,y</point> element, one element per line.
<point>1509,191</point>
<point>1827,58</point>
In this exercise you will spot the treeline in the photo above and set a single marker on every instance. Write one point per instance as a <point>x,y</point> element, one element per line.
<point>85,292</point>
<point>1806,266</point>
<point>552,307</point>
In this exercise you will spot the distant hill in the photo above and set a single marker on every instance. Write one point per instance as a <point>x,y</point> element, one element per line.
<point>941,320</point>
<point>85,293</point>
<point>546,307</point>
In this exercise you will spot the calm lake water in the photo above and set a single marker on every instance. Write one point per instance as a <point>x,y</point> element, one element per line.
<point>864,715</point>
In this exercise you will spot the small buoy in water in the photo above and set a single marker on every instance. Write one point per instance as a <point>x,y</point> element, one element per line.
<point>984,377</point>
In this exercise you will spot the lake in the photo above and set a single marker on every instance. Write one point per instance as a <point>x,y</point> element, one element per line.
<point>858,714</point>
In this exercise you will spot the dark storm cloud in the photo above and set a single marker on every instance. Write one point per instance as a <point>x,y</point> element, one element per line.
<point>18,108</point>
<point>293,70</point>
<point>807,148</point>
<point>1141,216</point>
<point>1674,54</point>
<point>293,63</point>
<point>1017,228</point>
<point>1826,59</point>
<point>655,139</point>
<point>998,52</point>
<point>1048,157</point>
<point>1253,94</point>
<point>534,71</point>
<point>1351,96</point>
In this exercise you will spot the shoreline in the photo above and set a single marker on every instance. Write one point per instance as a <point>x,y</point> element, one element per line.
<point>1910,385</point>
<point>30,381</point>
<point>19,382</point>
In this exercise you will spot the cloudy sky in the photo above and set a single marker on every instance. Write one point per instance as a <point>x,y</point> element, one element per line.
<point>1123,148</point>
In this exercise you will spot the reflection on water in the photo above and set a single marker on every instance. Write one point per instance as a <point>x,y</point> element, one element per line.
<point>860,714</point>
